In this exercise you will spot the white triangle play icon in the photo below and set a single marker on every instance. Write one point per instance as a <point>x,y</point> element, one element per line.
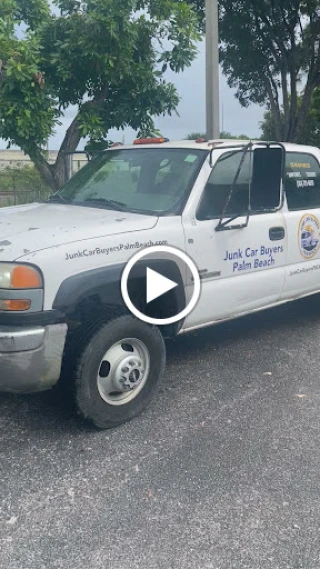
<point>157,285</point>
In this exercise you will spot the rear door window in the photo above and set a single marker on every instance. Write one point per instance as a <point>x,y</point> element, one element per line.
<point>302,181</point>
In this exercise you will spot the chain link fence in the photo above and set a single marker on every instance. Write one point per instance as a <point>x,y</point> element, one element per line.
<point>20,183</point>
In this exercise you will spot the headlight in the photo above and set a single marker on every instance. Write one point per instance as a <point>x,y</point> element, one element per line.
<point>19,277</point>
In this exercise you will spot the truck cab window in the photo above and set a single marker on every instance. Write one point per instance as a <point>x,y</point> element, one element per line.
<point>219,184</point>
<point>265,184</point>
<point>302,181</point>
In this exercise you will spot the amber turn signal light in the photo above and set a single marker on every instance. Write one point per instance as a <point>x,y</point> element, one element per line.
<point>14,305</point>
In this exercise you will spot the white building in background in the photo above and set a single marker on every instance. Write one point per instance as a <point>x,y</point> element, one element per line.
<point>18,159</point>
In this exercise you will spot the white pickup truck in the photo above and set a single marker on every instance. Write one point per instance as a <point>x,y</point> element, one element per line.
<point>247,214</point>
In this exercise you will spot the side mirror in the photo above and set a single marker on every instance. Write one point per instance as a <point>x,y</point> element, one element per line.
<point>266,178</point>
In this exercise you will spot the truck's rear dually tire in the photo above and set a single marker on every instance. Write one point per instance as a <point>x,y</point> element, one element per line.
<point>118,371</point>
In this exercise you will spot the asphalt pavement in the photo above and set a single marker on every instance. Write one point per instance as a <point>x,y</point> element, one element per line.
<point>222,472</point>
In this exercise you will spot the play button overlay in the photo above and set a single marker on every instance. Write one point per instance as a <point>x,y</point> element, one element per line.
<point>160,279</point>
<point>157,285</point>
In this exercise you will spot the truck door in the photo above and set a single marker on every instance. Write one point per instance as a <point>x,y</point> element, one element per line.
<point>302,215</point>
<point>240,254</point>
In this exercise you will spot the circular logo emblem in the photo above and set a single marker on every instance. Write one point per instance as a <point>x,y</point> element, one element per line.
<point>309,236</point>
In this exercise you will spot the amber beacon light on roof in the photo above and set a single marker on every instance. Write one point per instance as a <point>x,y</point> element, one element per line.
<point>151,140</point>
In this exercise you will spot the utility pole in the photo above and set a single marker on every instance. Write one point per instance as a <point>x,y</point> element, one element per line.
<point>212,70</point>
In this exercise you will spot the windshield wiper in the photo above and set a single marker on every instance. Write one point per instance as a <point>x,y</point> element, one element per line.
<point>113,204</point>
<point>58,198</point>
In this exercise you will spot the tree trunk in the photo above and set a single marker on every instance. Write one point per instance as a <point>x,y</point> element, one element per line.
<point>61,169</point>
<point>43,167</point>
<point>302,114</point>
<point>56,175</point>
<point>275,111</point>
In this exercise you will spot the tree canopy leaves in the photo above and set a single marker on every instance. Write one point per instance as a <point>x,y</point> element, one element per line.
<point>268,47</point>
<point>104,57</point>
<point>224,135</point>
<point>310,133</point>
<point>270,53</point>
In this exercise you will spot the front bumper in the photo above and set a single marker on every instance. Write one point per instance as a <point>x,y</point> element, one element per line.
<point>31,358</point>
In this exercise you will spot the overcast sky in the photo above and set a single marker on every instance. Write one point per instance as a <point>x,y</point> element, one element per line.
<point>191,87</point>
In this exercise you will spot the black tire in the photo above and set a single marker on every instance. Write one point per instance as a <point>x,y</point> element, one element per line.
<point>94,345</point>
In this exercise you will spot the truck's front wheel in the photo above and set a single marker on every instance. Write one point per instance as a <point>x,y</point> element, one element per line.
<point>118,371</point>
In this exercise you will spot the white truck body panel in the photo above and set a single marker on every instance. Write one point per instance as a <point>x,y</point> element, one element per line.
<point>35,227</point>
<point>104,250</point>
<point>248,272</point>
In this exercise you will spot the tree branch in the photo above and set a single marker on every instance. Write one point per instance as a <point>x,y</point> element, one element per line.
<point>45,169</point>
<point>267,40</point>
<point>303,110</point>
<point>69,145</point>
<point>285,96</point>
<point>293,89</point>
<point>274,105</point>
<point>273,37</point>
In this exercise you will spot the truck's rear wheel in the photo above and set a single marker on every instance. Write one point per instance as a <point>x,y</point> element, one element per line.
<point>118,371</point>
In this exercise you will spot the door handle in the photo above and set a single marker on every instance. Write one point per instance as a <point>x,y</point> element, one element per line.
<point>276,233</point>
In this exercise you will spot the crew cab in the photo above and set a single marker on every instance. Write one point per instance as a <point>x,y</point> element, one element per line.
<point>246,213</point>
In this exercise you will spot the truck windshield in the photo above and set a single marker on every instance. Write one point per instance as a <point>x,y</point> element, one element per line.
<point>144,180</point>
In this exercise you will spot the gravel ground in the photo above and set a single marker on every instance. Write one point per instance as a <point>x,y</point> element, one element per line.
<point>222,472</point>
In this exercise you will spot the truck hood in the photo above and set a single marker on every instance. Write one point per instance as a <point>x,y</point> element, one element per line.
<point>33,227</point>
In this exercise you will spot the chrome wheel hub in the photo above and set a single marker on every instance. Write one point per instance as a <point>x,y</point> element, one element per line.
<point>123,371</point>
<point>128,374</point>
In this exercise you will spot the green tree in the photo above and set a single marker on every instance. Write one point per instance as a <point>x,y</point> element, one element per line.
<point>195,135</point>
<point>224,135</point>
<point>310,133</point>
<point>95,146</point>
<point>268,49</point>
<point>107,58</point>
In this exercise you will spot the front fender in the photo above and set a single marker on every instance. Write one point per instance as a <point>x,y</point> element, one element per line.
<point>105,283</point>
